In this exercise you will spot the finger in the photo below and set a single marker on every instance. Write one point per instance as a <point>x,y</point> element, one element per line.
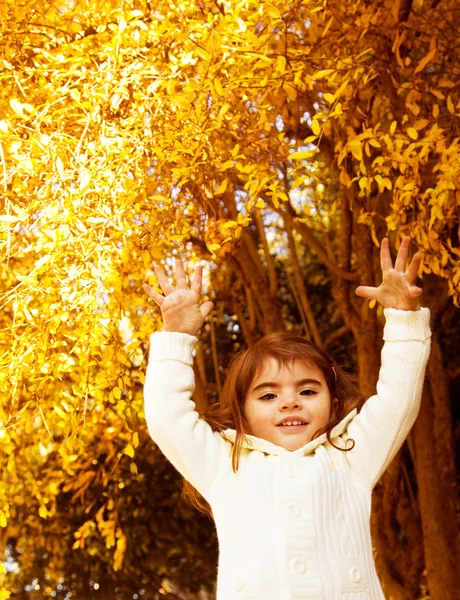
<point>197,280</point>
<point>366,292</point>
<point>415,291</point>
<point>403,253</point>
<point>163,280</point>
<point>206,308</point>
<point>181,279</point>
<point>412,271</point>
<point>385,256</point>
<point>158,298</point>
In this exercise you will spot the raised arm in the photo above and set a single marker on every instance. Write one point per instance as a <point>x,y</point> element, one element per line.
<point>186,440</point>
<point>386,418</point>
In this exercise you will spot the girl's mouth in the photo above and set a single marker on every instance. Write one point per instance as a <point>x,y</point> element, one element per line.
<point>291,428</point>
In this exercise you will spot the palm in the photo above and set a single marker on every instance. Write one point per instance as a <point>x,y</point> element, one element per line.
<point>179,306</point>
<point>397,289</point>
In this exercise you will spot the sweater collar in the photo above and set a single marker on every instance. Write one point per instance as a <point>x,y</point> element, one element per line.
<point>255,443</point>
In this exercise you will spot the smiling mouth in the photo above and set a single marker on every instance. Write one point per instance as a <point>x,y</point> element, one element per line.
<point>288,428</point>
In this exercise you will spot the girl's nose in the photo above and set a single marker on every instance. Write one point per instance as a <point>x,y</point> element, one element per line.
<point>291,400</point>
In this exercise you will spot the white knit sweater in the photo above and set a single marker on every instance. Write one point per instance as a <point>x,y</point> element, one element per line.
<point>291,525</point>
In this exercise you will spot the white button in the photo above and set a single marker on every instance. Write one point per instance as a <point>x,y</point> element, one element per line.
<point>294,511</point>
<point>292,471</point>
<point>239,585</point>
<point>300,567</point>
<point>355,575</point>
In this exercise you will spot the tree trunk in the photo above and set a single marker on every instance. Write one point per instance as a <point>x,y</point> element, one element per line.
<point>437,503</point>
<point>304,306</point>
<point>272,319</point>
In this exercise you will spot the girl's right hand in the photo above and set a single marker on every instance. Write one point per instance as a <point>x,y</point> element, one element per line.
<point>180,307</point>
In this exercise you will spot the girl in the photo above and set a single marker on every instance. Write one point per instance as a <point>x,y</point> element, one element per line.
<point>292,512</point>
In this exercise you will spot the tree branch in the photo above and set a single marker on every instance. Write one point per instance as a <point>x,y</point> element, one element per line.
<point>290,216</point>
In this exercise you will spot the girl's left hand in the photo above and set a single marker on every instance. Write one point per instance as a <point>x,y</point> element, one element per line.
<point>397,289</point>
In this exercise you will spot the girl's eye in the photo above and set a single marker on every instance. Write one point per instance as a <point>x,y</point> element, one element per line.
<point>309,393</point>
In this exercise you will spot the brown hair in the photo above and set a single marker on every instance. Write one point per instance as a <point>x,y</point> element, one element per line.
<point>286,348</point>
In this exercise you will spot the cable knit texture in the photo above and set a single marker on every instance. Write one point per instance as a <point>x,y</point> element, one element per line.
<point>291,525</point>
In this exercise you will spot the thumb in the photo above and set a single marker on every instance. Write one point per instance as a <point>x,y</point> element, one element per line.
<point>206,308</point>
<point>366,291</point>
<point>416,291</point>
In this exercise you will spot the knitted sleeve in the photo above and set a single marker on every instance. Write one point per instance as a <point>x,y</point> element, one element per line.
<point>186,440</point>
<point>385,420</point>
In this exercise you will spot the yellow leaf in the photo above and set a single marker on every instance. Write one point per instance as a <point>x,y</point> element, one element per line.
<point>420,124</point>
<point>85,178</point>
<point>302,155</point>
<point>422,64</point>
<point>117,393</point>
<point>412,133</point>
<point>356,148</point>
<point>227,164</point>
<point>379,180</point>
<point>280,65</point>
<point>260,204</point>
<point>17,107</point>
<point>437,94</point>
<point>171,87</point>
<point>122,24</point>
<point>43,512</point>
<point>450,105</point>
<point>213,247</point>
<point>218,87</point>
<point>223,186</point>
<point>387,183</point>
<point>344,178</point>
<point>315,127</point>
<point>393,127</point>
<point>28,279</point>
<point>135,439</point>
<point>60,412</point>
<point>363,181</point>
<point>435,111</point>
<point>272,11</point>
<point>4,126</point>
<point>3,521</point>
<point>326,29</point>
<point>323,73</point>
<point>223,110</point>
<point>202,53</point>
<point>129,450</point>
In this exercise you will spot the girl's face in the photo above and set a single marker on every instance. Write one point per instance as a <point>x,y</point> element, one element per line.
<point>277,393</point>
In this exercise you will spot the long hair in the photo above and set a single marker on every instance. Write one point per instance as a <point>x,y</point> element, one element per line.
<point>286,348</point>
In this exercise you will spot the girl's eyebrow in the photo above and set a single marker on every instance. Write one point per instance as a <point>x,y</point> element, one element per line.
<point>273,384</point>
